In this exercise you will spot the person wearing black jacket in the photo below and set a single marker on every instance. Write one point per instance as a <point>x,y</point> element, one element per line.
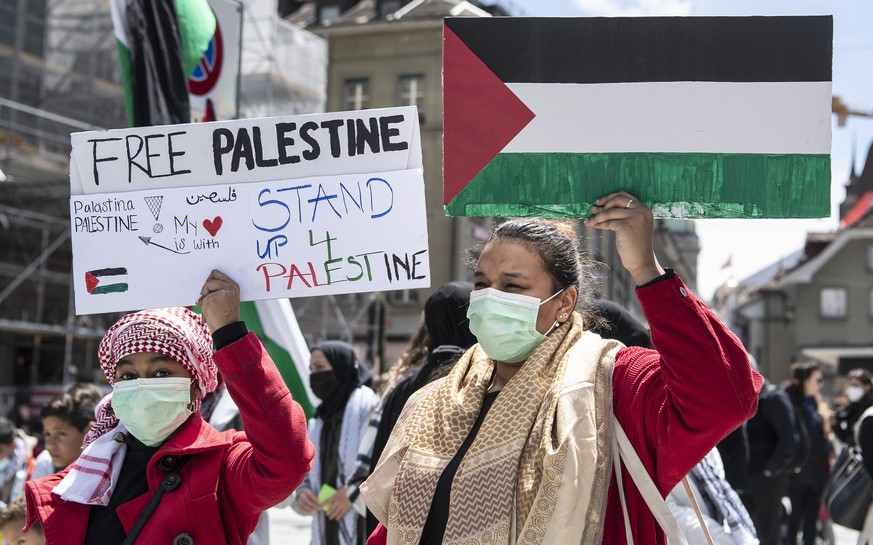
<point>864,435</point>
<point>734,452</point>
<point>805,486</point>
<point>859,391</point>
<point>772,444</point>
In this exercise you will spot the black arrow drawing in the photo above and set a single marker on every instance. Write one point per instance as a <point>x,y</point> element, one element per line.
<point>148,240</point>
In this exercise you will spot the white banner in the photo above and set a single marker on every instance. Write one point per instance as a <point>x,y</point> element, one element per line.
<point>163,217</point>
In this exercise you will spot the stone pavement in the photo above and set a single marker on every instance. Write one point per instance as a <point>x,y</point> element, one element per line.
<point>844,536</point>
<point>289,528</point>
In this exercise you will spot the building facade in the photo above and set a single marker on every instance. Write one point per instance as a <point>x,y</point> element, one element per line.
<point>384,54</point>
<point>818,303</point>
<point>59,74</point>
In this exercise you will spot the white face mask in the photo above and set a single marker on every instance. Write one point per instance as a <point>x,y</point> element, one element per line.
<point>855,393</point>
<point>152,408</point>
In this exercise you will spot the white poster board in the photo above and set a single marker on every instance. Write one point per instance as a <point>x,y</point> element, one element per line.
<point>154,209</point>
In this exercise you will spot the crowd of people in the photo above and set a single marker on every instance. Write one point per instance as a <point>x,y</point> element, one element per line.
<point>524,410</point>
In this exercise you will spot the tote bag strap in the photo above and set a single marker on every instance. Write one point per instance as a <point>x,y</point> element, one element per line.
<point>645,485</point>
<point>696,507</point>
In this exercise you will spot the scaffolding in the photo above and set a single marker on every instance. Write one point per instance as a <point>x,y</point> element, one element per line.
<point>59,74</point>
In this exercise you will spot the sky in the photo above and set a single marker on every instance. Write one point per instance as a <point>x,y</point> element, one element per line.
<point>751,245</point>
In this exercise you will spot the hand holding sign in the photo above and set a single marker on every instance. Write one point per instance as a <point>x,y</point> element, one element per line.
<point>307,503</point>
<point>219,300</point>
<point>337,505</point>
<point>633,225</point>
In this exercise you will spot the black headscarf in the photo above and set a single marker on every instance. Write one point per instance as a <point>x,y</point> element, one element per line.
<point>347,370</point>
<point>619,325</point>
<point>445,316</point>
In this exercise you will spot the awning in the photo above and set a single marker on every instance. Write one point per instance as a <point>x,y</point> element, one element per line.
<point>831,354</point>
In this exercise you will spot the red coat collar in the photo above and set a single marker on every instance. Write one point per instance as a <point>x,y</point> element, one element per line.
<point>192,437</point>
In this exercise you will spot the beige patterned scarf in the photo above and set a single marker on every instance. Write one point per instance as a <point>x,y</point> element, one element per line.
<point>539,467</point>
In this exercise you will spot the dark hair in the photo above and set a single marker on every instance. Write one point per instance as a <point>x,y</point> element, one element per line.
<point>798,374</point>
<point>555,242</point>
<point>85,390</point>
<point>862,375</point>
<point>7,431</point>
<point>865,377</point>
<point>415,354</point>
<point>16,510</point>
<point>75,406</point>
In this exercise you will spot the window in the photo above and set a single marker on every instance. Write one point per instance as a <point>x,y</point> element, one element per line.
<point>328,14</point>
<point>411,90</point>
<point>871,303</point>
<point>356,94</point>
<point>834,303</point>
<point>402,297</point>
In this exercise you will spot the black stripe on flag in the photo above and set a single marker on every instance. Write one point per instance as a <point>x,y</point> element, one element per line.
<point>643,49</point>
<point>108,272</point>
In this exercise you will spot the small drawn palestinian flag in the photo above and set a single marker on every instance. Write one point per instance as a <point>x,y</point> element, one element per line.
<point>102,281</point>
<point>697,116</point>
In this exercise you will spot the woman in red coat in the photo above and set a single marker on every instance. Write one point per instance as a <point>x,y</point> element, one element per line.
<point>517,444</point>
<point>161,364</point>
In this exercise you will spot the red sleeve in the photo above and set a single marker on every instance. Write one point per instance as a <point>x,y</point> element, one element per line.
<point>379,536</point>
<point>266,468</point>
<point>677,401</point>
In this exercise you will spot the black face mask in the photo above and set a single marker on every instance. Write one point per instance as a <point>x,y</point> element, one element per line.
<point>324,384</point>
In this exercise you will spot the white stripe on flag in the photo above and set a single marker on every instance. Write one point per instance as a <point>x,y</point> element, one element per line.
<point>280,324</point>
<point>678,117</point>
<point>118,12</point>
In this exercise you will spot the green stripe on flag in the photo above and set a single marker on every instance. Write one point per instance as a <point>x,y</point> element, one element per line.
<point>694,185</point>
<point>110,288</point>
<point>124,61</point>
<point>282,359</point>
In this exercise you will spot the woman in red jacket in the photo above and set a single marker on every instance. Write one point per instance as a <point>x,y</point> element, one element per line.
<point>516,444</point>
<point>149,435</point>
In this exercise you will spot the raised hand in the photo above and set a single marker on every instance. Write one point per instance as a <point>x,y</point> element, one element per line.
<point>632,223</point>
<point>219,300</point>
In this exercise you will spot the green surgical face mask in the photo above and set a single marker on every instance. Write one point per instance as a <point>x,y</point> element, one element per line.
<point>152,408</point>
<point>505,324</point>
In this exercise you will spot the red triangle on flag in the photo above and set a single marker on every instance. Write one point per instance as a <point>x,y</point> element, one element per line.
<point>91,282</point>
<point>480,115</point>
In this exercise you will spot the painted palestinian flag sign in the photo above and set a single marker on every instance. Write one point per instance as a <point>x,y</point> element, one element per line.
<point>697,116</point>
<point>103,281</point>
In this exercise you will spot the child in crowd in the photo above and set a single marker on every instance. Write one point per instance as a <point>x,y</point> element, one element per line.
<point>16,456</point>
<point>66,420</point>
<point>12,521</point>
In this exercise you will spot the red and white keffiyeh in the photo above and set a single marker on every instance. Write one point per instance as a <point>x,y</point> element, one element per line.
<point>93,475</point>
<point>174,332</point>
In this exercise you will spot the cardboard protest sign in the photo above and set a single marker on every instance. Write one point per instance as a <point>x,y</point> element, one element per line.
<point>697,116</point>
<point>186,199</point>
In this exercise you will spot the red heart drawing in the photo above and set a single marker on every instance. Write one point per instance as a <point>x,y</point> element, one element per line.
<point>213,226</point>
